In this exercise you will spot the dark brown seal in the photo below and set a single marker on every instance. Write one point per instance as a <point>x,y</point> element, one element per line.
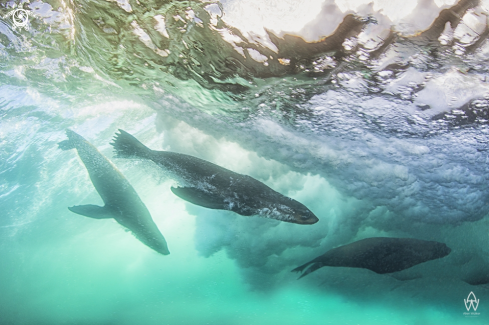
<point>214,187</point>
<point>379,254</point>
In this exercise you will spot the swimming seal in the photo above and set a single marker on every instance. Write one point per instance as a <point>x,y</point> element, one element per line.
<point>121,200</point>
<point>214,187</point>
<point>378,254</point>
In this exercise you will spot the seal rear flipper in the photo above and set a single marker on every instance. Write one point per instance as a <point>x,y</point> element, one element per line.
<point>301,268</point>
<point>305,269</point>
<point>91,211</point>
<point>73,139</point>
<point>65,145</point>
<point>198,197</point>
<point>127,146</point>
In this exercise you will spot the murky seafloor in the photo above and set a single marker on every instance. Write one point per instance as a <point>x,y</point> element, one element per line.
<point>372,115</point>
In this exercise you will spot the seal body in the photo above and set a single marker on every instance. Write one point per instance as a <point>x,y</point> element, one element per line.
<point>379,254</point>
<point>121,200</point>
<point>212,186</point>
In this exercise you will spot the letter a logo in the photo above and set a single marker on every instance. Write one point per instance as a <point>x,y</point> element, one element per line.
<point>472,301</point>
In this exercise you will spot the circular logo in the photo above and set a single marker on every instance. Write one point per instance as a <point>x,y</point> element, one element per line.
<point>20,17</point>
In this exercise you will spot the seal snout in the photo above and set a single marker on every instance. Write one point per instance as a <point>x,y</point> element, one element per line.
<point>305,219</point>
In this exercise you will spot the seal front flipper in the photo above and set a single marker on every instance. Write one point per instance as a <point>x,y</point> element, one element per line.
<point>91,211</point>
<point>198,197</point>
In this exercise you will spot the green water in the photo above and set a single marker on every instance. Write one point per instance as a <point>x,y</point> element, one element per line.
<point>62,268</point>
<point>370,151</point>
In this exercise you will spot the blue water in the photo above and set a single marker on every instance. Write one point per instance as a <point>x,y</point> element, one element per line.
<point>392,144</point>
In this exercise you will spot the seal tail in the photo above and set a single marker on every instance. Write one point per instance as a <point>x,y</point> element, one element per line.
<point>127,146</point>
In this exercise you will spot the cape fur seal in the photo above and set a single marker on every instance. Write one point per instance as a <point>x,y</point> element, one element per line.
<point>215,187</point>
<point>121,200</point>
<point>379,254</point>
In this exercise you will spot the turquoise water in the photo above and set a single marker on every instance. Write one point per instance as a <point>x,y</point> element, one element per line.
<point>375,143</point>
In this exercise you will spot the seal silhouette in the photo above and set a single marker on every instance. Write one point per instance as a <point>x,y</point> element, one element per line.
<point>121,200</point>
<point>214,187</point>
<point>378,254</point>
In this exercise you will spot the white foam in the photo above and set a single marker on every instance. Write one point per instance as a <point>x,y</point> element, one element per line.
<point>451,90</point>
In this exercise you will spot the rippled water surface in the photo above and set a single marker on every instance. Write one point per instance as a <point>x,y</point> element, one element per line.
<point>374,116</point>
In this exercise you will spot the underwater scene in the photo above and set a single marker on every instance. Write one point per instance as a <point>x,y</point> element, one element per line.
<point>244,162</point>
